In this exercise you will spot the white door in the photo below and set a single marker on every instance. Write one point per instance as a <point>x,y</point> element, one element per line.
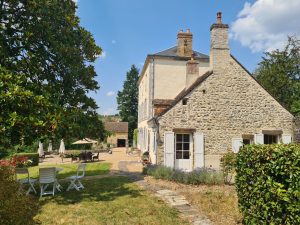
<point>183,145</point>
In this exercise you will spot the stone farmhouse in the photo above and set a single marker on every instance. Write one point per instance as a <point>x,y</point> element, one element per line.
<point>119,133</point>
<point>193,108</point>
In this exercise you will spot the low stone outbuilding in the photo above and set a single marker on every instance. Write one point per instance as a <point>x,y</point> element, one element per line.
<point>119,133</point>
<point>213,112</point>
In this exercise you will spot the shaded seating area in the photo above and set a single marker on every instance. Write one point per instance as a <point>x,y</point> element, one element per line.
<point>47,176</point>
<point>95,156</point>
<point>75,179</point>
<point>86,156</point>
<point>25,181</point>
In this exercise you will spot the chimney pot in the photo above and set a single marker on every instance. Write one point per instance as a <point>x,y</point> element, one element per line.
<point>219,18</point>
<point>188,30</point>
<point>181,31</point>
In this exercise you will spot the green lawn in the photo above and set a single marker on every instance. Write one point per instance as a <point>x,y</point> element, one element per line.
<point>70,169</point>
<point>111,200</point>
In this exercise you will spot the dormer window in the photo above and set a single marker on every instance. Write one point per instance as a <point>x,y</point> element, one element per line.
<point>184,101</point>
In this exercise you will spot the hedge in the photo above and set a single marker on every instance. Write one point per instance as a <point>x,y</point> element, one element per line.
<point>204,176</point>
<point>268,183</point>
<point>34,157</point>
<point>15,206</point>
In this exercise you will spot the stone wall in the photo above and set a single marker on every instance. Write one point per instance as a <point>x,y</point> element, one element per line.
<point>113,139</point>
<point>228,104</point>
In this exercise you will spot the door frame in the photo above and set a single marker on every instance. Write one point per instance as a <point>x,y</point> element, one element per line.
<point>181,164</point>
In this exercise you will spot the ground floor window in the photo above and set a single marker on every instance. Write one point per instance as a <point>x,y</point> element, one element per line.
<point>182,146</point>
<point>270,139</point>
<point>246,141</point>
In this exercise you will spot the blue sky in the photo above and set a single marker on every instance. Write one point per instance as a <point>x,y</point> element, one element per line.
<point>128,30</point>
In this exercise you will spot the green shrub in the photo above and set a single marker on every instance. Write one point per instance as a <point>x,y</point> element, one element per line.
<point>26,148</point>
<point>204,176</point>
<point>33,157</point>
<point>228,162</point>
<point>135,136</point>
<point>268,184</point>
<point>74,153</point>
<point>15,206</point>
<point>179,176</point>
<point>161,172</point>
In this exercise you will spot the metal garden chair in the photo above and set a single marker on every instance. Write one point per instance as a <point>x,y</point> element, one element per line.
<point>75,179</point>
<point>28,180</point>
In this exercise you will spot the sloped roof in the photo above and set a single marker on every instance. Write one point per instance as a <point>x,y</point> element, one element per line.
<point>185,92</point>
<point>172,52</point>
<point>117,127</point>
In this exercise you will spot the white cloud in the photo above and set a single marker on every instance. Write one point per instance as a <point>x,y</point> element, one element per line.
<point>102,55</point>
<point>110,111</point>
<point>110,93</point>
<point>113,41</point>
<point>265,24</point>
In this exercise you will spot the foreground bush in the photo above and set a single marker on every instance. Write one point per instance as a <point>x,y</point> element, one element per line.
<point>204,176</point>
<point>33,158</point>
<point>268,184</point>
<point>15,207</point>
<point>228,165</point>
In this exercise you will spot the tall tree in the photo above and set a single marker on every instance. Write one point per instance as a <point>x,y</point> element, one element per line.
<point>128,100</point>
<point>279,73</point>
<point>43,41</point>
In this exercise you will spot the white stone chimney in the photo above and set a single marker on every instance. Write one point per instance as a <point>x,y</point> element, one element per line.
<point>185,43</point>
<point>219,47</point>
<point>192,72</point>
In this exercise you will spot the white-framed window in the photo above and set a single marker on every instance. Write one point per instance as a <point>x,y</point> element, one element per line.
<point>182,146</point>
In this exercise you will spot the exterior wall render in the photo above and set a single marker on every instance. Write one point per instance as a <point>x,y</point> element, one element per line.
<point>170,77</point>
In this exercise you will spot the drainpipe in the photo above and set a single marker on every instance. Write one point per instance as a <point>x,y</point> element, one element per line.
<point>157,136</point>
<point>152,97</point>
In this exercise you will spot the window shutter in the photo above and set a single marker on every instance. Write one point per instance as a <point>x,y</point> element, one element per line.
<point>236,144</point>
<point>259,139</point>
<point>151,144</point>
<point>286,138</point>
<point>169,149</point>
<point>198,151</point>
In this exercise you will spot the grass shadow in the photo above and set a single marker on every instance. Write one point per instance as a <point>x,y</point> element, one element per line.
<point>104,189</point>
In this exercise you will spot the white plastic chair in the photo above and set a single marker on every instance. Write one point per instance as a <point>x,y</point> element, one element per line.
<point>75,179</point>
<point>47,177</point>
<point>28,180</point>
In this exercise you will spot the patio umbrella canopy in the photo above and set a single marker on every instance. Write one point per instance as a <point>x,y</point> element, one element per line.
<point>84,141</point>
<point>62,147</point>
<point>40,149</point>
<point>50,147</point>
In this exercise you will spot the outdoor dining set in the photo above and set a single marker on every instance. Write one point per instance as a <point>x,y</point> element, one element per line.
<point>48,181</point>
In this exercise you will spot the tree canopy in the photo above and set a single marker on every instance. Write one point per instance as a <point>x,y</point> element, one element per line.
<point>47,70</point>
<point>279,73</point>
<point>128,100</point>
